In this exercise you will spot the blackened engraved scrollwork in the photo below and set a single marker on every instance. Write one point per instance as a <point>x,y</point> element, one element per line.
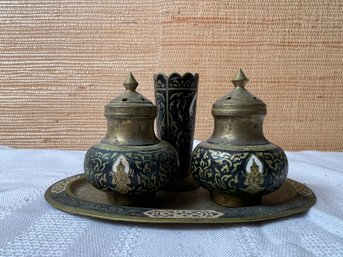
<point>176,98</point>
<point>226,171</point>
<point>146,172</point>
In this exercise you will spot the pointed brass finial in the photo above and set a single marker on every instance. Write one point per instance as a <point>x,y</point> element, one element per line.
<point>130,83</point>
<point>240,80</point>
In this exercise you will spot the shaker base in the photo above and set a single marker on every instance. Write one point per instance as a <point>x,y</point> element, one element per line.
<point>182,185</point>
<point>130,200</point>
<point>235,201</point>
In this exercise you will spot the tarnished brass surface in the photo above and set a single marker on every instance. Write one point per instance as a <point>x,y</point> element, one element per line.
<point>239,101</point>
<point>238,116</point>
<point>130,163</point>
<point>235,201</point>
<point>237,130</point>
<point>237,164</point>
<point>142,200</point>
<point>130,118</point>
<point>75,195</point>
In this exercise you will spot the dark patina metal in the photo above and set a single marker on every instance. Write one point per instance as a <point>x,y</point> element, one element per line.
<point>75,195</point>
<point>130,163</point>
<point>237,164</point>
<point>176,100</point>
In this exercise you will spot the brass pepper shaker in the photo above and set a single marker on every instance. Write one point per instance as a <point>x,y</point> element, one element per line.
<point>130,163</point>
<point>237,164</point>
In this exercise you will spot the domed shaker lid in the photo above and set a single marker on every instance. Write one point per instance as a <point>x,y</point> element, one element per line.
<point>239,102</point>
<point>130,103</point>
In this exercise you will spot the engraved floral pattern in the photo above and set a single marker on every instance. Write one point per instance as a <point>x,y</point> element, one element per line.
<point>176,98</point>
<point>227,171</point>
<point>61,185</point>
<point>63,200</point>
<point>129,172</point>
<point>302,189</point>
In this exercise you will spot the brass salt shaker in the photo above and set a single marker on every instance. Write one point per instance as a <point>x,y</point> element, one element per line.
<point>130,163</point>
<point>237,164</point>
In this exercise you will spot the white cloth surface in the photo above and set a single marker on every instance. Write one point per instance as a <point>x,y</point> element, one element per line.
<point>29,226</point>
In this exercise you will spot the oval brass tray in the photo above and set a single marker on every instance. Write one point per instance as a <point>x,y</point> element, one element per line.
<point>75,195</point>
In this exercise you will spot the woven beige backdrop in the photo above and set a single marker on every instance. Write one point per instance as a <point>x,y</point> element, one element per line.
<point>61,61</point>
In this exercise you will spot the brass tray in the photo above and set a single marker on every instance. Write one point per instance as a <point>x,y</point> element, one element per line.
<point>75,195</point>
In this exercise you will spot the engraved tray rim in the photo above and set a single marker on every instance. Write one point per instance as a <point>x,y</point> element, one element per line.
<point>60,196</point>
